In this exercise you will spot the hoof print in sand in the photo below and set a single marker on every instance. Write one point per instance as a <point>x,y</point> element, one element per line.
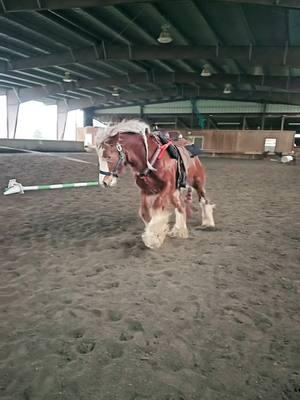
<point>114,349</point>
<point>129,244</point>
<point>262,322</point>
<point>96,312</point>
<point>168,272</point>
<point>86,346</point>
<point>125,336</point>
<point>64,349</point>
<point>77,333</point>
<point>111,285</point>
<point>114,315</point>
<point>291,390</point>
<point>135,326</point>
<point>173,396</point>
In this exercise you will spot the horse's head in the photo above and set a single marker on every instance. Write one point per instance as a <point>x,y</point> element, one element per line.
<point>112,159</point>
<point>110,150</point>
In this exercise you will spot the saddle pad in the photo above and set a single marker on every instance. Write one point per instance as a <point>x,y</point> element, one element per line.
<point>194,150</point>
<point>185,156</point>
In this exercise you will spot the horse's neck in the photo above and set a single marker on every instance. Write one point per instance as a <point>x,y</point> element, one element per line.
<point>136,151</point>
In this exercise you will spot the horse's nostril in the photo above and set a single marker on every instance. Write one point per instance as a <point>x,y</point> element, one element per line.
<point>104,184</point>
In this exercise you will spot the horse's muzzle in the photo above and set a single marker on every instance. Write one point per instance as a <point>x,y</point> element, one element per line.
<point>109,181</point>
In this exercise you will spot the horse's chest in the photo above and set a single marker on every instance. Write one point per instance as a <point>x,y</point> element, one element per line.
<point>149,185</point>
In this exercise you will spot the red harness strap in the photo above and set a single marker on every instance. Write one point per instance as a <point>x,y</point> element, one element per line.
<point>159,153</point>
<point>163,149</point>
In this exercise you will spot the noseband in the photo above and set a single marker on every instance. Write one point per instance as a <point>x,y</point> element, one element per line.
<point>121,160</point>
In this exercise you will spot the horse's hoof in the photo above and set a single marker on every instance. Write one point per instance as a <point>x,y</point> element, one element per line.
<point>208,228</point>
<point>179,233</point>
<point>152,241</point>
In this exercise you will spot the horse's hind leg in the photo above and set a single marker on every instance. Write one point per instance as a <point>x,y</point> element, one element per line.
<point>205,206</point>
<point>180,228</point>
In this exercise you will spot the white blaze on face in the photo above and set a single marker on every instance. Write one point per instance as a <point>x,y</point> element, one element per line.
<point>103,166</point>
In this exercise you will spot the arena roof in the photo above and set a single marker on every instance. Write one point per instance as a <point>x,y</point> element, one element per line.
<point>110,47</point>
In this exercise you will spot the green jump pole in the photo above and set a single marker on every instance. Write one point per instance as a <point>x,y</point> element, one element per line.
<point>16,187</point>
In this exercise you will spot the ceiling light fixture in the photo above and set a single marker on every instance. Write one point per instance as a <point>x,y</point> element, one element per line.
<point>227,89</point>
<point>67,78</point>
<point>205,71</point>
<point>115,92</point>
<point>165,35</point>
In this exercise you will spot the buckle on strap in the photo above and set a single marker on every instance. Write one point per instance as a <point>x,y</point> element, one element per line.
<point>119,147</point>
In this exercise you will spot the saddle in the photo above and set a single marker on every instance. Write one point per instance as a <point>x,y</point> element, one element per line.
<point>183,154</point>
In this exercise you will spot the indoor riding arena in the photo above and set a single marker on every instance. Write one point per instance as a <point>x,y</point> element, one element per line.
<point>89,310</point>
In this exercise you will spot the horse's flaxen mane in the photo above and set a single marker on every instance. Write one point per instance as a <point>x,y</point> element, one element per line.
<point>130,126</point>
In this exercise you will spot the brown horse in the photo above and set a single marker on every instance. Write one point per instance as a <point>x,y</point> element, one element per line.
<point>131,143</point>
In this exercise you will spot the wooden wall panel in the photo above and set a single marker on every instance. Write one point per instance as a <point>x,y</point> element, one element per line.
<point>242,142</point>
<point>225,141</point>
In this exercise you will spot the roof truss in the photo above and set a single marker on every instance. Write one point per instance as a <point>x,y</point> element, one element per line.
<point>7,6</point>
<point>250,55</point>
<point>185,93</point>
<point>178,78</point>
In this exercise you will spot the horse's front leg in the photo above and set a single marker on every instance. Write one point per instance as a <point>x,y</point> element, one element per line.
<point>145,208</point>
<point>157,228</point>
<point>179,229</point>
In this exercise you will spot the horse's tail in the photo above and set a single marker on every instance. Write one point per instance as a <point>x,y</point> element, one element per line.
<point>189,202</point>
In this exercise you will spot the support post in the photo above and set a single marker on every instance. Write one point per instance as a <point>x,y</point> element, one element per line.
<point>211,123</point>
<point>282,123</point>
<point>245,125</point>
<point>13,106</point>
<point>263,119</point>
<point>192,114</point>
<point>88,116</point>
<point>62,115</point>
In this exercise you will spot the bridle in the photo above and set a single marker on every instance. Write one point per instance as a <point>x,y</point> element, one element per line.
<point>121,160</point>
